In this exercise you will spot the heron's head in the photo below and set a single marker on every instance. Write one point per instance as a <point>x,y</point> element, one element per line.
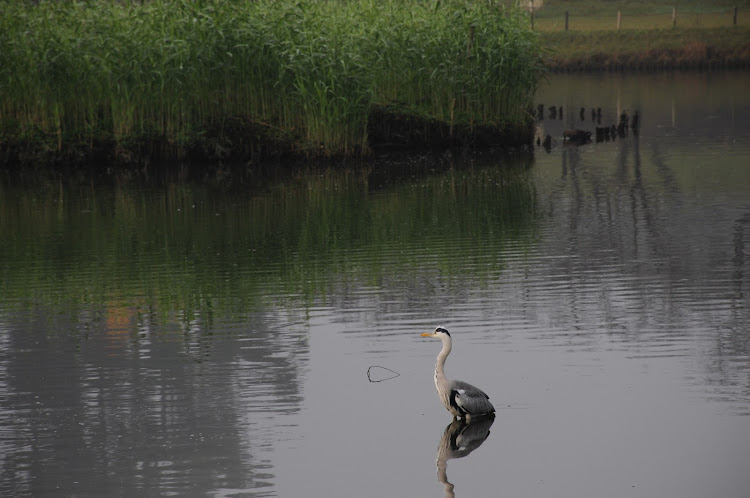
<point>439,333</point>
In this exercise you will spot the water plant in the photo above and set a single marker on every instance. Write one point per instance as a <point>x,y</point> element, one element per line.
<point>168,71</point>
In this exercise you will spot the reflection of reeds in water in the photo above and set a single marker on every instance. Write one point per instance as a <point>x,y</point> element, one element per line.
<point>459,440</point>
<point>185,249</point>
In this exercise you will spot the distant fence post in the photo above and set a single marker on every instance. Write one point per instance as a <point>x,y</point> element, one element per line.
<point>531,10</point>
<point>674,16</point>
<point>566,20</point>
<point>619,19</point>
<point>734,18</point>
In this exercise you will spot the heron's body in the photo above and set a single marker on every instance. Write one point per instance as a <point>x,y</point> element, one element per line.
<point>460,398</point>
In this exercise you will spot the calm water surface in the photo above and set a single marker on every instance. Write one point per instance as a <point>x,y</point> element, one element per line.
<point>214,338</point>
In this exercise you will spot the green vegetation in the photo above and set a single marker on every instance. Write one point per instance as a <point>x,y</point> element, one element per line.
<point>703,35</point>
<point>649,49</point>
<point>607,9</point>
<point>165,78</point>
<point>219,249</point>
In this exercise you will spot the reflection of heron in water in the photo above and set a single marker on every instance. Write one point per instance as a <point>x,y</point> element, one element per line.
<point>460,398</point>
<point>459,439</point>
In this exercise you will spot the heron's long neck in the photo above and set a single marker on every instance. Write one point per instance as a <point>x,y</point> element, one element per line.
<point>440,364</point>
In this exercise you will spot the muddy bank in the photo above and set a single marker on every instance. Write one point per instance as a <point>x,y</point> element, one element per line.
<point>391,127</point>
<point>235,139</point>
<point>696,57</point>
<point>241,140</point>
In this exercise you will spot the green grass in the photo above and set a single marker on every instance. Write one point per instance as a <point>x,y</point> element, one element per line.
<point>168,70</point>
<point>646,8</point>
<point>634,41</point>
<point>601,15</point>
<point>631,20</point>
<point>703,36</point>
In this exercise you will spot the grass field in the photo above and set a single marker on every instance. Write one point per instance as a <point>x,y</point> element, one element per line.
<point>608,22</point>
<point>703,36</point>
<point>607,9</point>
<point>648,49</point>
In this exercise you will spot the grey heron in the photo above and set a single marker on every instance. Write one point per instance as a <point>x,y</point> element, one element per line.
<point>460,398</point>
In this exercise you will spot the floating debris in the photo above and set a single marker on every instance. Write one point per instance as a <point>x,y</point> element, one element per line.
<point>577,137</point>
<point>379,375</point>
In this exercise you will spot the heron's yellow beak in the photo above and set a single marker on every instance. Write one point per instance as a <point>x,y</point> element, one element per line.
<point>426,334</point>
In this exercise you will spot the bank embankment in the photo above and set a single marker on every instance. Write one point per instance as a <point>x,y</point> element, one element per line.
<point>215,80</point>
<point>661,49</point>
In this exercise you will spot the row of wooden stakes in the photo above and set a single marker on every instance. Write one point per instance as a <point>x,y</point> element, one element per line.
<point>603,133</point>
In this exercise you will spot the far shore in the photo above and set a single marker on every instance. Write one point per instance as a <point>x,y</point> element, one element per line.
<point>654,49</point>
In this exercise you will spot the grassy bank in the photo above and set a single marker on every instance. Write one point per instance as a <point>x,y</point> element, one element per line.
<point>651,35</point>
<point>688,48</point>
<point>170,78</point>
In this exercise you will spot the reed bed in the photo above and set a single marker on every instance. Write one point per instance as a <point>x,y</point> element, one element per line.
<point>307,71</point>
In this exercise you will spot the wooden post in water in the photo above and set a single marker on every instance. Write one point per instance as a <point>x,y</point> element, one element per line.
<point>619,19</point>
<point>566,20</point>
<point>674,16</point>
<point>734,18</point>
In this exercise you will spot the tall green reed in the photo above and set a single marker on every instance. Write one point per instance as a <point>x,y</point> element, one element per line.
<point>312,70</point>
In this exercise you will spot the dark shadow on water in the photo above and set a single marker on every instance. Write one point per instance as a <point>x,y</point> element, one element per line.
<point>459,440</point>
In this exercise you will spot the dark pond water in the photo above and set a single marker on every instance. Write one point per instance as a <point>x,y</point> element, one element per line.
<point>214,338</point>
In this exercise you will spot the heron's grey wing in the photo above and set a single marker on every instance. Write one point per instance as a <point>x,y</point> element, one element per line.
<point>469,399</point>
